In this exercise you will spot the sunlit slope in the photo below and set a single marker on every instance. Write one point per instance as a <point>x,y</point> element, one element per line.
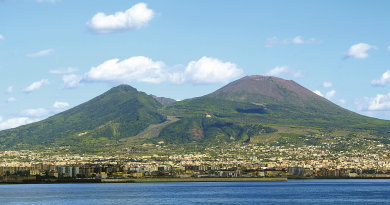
<point>120,112</point>
<point>243,109</point>
<point>273,101</point>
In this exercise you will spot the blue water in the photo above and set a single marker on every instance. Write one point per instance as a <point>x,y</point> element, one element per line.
<point>291,192</point>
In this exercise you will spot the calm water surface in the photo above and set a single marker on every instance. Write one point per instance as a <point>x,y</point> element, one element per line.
<point>291,192</point>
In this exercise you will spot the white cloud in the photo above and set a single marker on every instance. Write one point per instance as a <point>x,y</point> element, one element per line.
<point>137,68</point>
<point>63,71</point>
<point>136,17</point>
<point>42,113</point>
<point>32,115</point>
<point>281,70</point>
<point>1,37</point>
<point>41,53</point>
<point>207,71</point>
<point>330,95</point>
<point>11,99</point>
<point>271,42</point>
<point>297,74</point>
<point>142,69</point>
<point>61,105</point>
<point>378,103</point>
<point>36,85</point>
<point>342,102</point>
<point>388,48</point>
<point>9,90</point>
<point>359,51</point>
<point>15,122</point>
<point>36,113</point>
<point>385,78</point>
<point>298,40</point>
<point>71,81</point>
<point>278,71</point>
<point>318,93</point>
<point>327,84</point>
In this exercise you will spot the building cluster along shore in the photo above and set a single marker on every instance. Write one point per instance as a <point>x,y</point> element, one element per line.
<point>236,161</point>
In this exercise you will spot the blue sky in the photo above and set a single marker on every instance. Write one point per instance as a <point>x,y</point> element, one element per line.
<point>57,54</point>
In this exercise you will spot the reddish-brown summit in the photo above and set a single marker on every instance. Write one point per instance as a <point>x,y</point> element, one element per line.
<point>267,86</point>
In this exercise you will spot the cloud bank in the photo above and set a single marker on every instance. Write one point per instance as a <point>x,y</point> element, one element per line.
<point>142,69</point>
<point>136,17</point>
<point>378,103</point>
<point>14,122</point>
<point>27,116</point>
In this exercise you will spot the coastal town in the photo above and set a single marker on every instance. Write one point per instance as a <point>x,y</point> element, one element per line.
<point>236,160</point>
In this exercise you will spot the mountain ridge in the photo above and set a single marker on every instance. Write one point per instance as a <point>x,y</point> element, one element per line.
<point>117,113</point>
<point>239,111</point>
<point>163,100</point>
<point>269,101</point>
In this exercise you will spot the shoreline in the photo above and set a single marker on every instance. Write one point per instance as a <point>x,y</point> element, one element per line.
<point>175,180</point>
<point>144,180</point>
<point>309,178</point>
<point>235,179</point>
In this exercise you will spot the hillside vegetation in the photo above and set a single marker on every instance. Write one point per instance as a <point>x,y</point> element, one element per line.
<point>269,101</point>
<point>120,112</point>
<point>252,109</point>
<point>208,130</point>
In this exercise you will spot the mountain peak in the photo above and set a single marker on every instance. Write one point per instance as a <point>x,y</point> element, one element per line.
<point>123,87</point>
<point>266,89</point>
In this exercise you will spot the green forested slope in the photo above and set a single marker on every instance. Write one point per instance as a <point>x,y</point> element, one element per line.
<point>118,113</point>
<point>241,110</point>
<point>260,100</point>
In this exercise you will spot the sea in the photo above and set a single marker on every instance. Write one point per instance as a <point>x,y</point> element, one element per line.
<point>348,191</point>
